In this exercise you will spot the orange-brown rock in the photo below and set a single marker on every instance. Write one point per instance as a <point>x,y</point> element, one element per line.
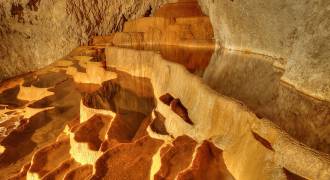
<point>158,125</point>
<point>48,158</point>
<point>126,126</point>
<point>226,122</point>
<point>127,160</point>
<point>133,105</point>
<point>208,163</point>
<point>180,9</point>
<point>185,38</point>
<point>82,172</point>
<point>61,171</point>
<point>89,131</point>
<point>22,174</point>
<point>175,158</point>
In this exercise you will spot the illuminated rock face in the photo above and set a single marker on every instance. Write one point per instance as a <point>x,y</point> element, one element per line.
<point>31,30</point>
<point>256,81</point>
<point>294,33</point>
<point>145,103</point>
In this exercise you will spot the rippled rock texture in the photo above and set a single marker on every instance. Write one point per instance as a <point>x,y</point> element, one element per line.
<point>159,100</point>
<point>34,33</point>
<point>256,80</point>
<point>295,33</point>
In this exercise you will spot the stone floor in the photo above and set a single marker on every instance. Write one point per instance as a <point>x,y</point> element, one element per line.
<point>148,103</point>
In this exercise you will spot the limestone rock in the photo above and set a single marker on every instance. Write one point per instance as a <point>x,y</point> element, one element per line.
<point>34,33</point>
<point>295,32</point>
<point>151,103</point>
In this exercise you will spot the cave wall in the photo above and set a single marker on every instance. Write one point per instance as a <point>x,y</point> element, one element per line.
<point>34,33</point>
<point>295,33</point>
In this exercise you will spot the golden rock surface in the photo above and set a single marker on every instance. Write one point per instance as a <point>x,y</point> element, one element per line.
<point>141,104</point>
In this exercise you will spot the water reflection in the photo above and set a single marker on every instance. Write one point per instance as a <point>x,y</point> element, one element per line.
<point>195,59</point>
<point>254,80</point>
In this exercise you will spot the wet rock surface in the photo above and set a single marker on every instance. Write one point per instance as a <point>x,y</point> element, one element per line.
<point>148,103</point>
<point>256,81</point>
<point>295,34</point>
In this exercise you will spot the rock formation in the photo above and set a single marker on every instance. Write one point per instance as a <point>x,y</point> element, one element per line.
<point>161,100</point>
<point>296,34</point>
<point>35,33</point>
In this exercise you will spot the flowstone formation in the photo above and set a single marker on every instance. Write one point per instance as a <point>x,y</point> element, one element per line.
<point>149,103</point>
<point>35,33</point>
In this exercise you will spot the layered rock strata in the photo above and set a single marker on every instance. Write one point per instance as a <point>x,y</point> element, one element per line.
<point>148,103</point>
<point>254,79</point>
<point>296,34</point>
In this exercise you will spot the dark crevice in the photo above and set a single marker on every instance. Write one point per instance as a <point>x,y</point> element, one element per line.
<point>263,141</point>
<point>158,125</point>
<point>176,107</point>
<point>33,5</point>
<point>292,176</point>
<point>166,98</point>
<point>99,56</point>
<point>78,66</point>
<point>120,25</point>
<point>148,12</point>
<point>180,110</point>
<point>17,11</point>
<point>9,98</point>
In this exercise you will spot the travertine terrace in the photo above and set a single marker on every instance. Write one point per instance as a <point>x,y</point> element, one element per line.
<point>162,100</point>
